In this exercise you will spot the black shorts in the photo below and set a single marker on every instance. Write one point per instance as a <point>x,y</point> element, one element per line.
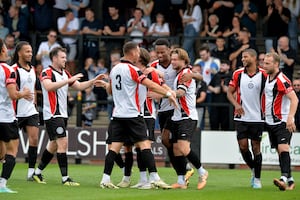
<point>127,141</point>
<point>249,130</point>
<point>183,129</point>
<point>32,120</point>
<point>56,127</point>
<point>165,119</point>
<point>150,123</point>
<point>128,129</point>
<point>278,134</point>
<point>9,131</point>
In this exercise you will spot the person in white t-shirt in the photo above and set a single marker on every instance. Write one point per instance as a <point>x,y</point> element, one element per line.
<point>68,27</point>
<point>55,81</point>
<point>27,114</point>
<point>137,26</point>
<point>45,48</point>
<point>184,121</point>
<point>245,92</point>
<point>160,27</point>
<point>9,137</point>
<point>281,105</point>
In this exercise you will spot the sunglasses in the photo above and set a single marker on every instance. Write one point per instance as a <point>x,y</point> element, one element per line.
<point>54,36</point>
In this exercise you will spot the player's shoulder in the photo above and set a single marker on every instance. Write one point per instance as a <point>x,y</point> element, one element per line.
<point>154,63</point>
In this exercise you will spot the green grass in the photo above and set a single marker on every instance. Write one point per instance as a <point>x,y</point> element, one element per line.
<point>222,184</point>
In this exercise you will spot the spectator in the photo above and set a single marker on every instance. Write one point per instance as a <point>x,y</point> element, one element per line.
<point>39,93</point>
<point>219,8</point>
<point>160,27</point>
<point>248,13</point>
<point>261,57</point>
<point>200,98</point>
<point>176,11</point>
<point>287,57</point>
<point>294,7</point>
<point>296,86</point>
<point>90,68</point>
<point>244,43</point>
<point>232,33</point>
<point>68,26</point>
<point>3,30</point>
<point>276,23</point>
<point>212,30</point>
<point>23,7</point>
<point>147,7</point>
<point>89,107</point>
<point>17,24</point>
<point>192,20</point>
<point>219,115</point>
<point>42,16</point>
<point>137,26</point>
<point>91,26</point>
<point>115,57</point>
<point>100,92</point>
<point>153,55</point>
<point>114,25</point>
<point>78,7</point>
<point>45,48</point>
<point>59,9</point>
<point>220,51</point>
<point>209,67</point>
<point>11,46</point>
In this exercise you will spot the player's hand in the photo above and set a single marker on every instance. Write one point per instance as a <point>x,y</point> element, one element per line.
<point>239,110</point>
<point>101,77</point>
<point>148,70</point>
<point>100,83</point>
<point>154,95</point>
<point>76,77</point>
<point>173,101</point>
<point>290,124</point>
<point>186,77</point>
<point>26,94</point>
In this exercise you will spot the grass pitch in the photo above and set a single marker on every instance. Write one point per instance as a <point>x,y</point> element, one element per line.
<point>223,184</point>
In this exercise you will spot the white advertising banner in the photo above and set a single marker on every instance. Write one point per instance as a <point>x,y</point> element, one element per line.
<point>222,147</point>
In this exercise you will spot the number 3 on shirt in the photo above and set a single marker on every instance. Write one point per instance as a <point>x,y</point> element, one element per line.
<point>118,86</point>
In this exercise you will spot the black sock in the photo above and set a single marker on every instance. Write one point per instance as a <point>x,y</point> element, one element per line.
<point>32,155</point>
<point>46,158</point>
<point>148,158</point>
<point>62,163</point>
<point>171,155</point>
<point>119,160</point>
<point>109,162</point>
<point>140,164</point>
<point>285,164</point>
<point>257,165</point>
<point>194,159</point>
<point>247,156</point>
<point>180,163</point>
<point>128,163</point>
<point>8,166</point>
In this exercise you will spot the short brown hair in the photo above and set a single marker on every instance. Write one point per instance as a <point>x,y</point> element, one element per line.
<point>54,51</point>
<point>129,46</point>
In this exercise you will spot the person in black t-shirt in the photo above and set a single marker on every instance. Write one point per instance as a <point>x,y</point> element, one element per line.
<point>219,115</point>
